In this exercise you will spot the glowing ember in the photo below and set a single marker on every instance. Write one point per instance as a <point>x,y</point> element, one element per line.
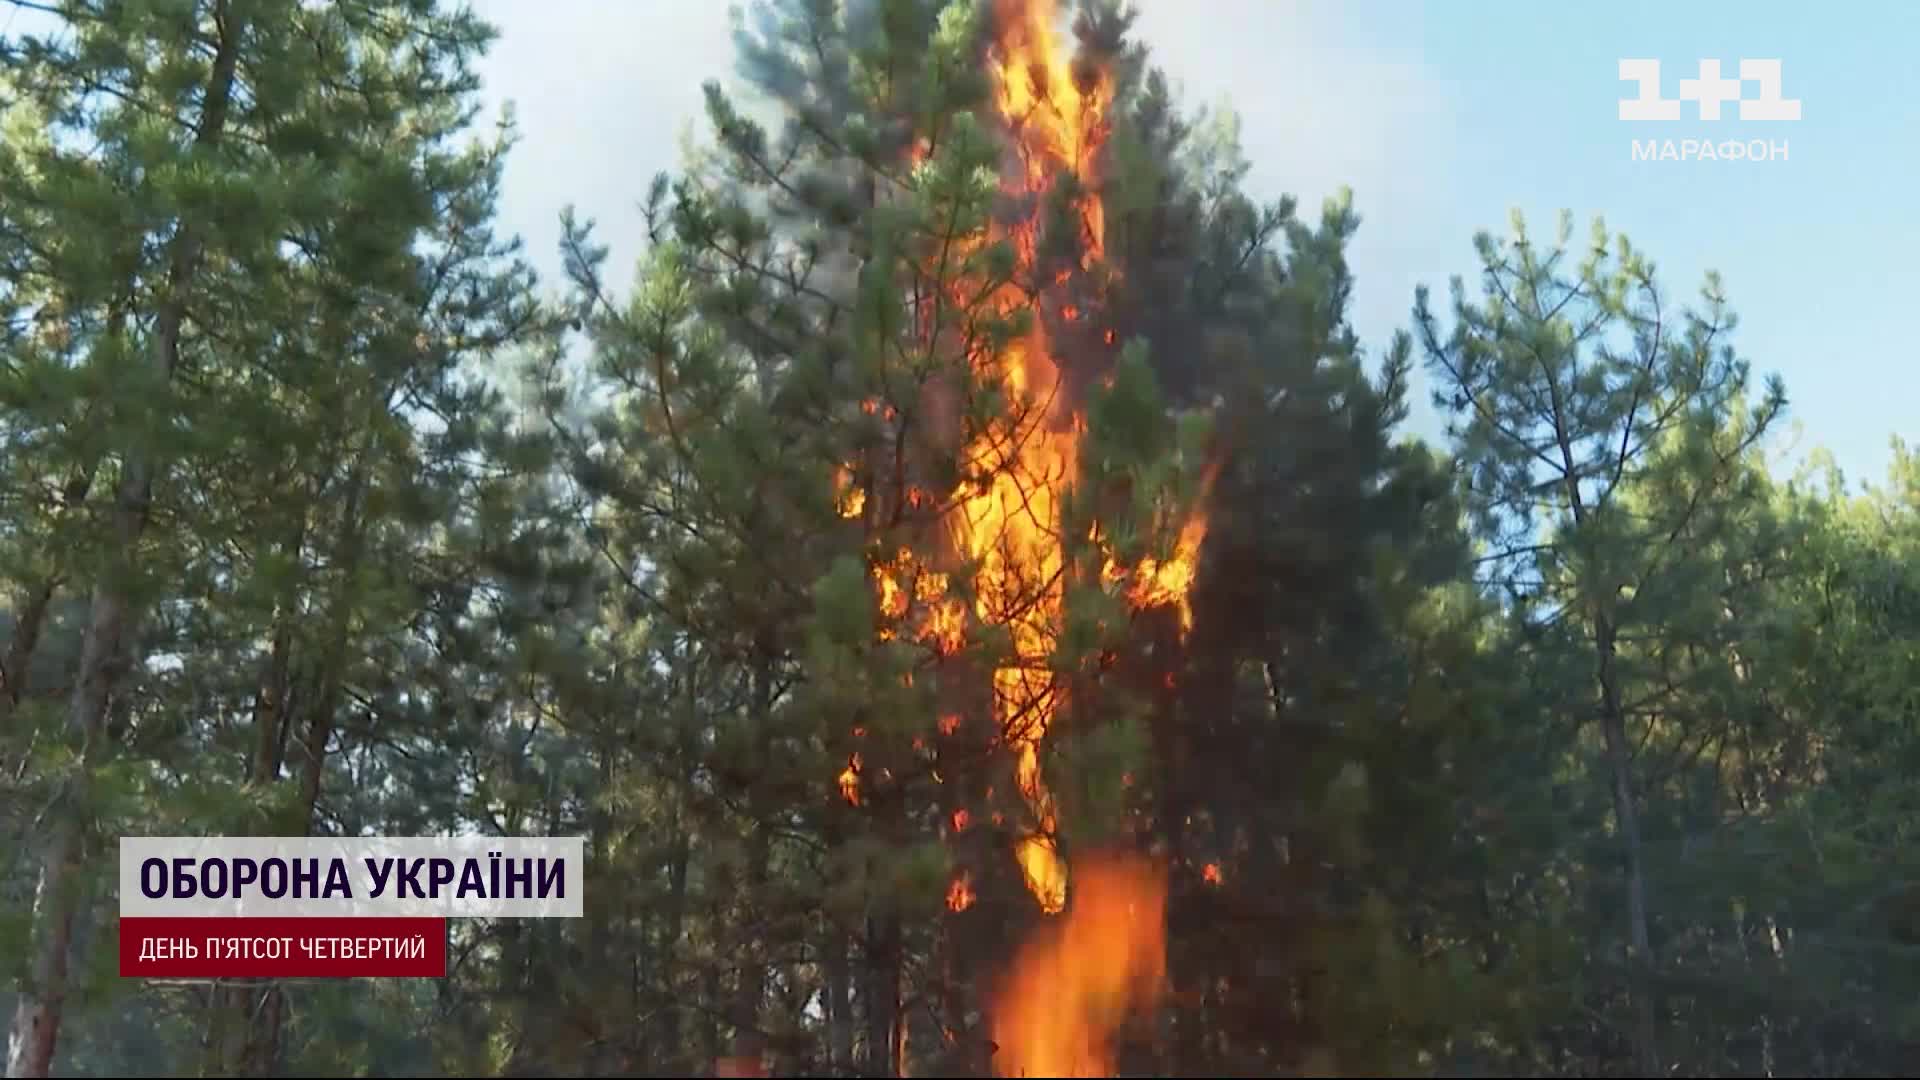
<point>849,499</point>
<point>1075,984</point>
<point>1212,874</point>
<point>960,893</point>
<point>850,781</point>
<point>1044,870</point>
<point>1163,584</point>
<point>946,630</point>
<point>1154,583</point>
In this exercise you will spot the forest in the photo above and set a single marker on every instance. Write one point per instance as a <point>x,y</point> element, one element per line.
<point>974,593</point>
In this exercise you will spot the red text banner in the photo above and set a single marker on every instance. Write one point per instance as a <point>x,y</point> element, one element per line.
<point>154,947</point>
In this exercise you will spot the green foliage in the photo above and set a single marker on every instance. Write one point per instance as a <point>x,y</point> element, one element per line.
<point>398,549</point>
<point>1094,773</point>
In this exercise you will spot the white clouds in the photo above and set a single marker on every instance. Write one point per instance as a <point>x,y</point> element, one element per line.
<point>1319,109</point>
<point>603,92</point>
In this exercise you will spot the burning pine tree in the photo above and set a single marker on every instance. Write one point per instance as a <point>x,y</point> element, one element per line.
<point>1026,519</point>
<point>914,274</point>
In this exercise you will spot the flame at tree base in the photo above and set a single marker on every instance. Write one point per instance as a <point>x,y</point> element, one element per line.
<point>1075,983</point>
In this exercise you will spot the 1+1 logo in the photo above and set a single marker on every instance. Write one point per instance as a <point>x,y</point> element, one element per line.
<point>1709,91</point>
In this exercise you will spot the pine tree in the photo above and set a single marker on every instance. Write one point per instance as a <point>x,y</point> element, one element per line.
<point>1798,841</point>
<point>975,575</point>
<point>1603,442</point>
<point>816,368</point>
<point>238,191</point>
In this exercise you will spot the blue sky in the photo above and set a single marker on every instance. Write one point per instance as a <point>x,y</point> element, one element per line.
<point>1442,118</point>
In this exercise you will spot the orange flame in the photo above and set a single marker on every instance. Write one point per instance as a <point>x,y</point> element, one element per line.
<point>1057,116</point>
<point>1074,985</point>
<point>849,498</point>
<point>960,892</point>
<point>850,781</point>
<point>1071,987</point>
<point>1157,583</point>
<point>1011,530</point>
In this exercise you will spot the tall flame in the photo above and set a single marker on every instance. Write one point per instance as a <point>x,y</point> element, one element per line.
<point>1073,986</point>
<point>1070,987</point>
<point>1013,529</point>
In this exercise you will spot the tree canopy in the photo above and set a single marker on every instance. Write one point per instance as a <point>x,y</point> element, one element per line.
<point>974,592</point>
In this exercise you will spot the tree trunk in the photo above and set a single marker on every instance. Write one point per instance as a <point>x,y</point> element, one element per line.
<point>882,994</point>
<point>603,911</point>
<point>711,1046</point>
<point>1613,725</point>
<point>251,1015</point>
<point>670,1057</point>
<point>257,1008</point>
<point>1626,813</point>
<point>35,1031</point>
<point>839,1006</point>
<point>670,1053</point>
<point>321,704</point>
<point>30,616</point>
<point>36,1018</point>
<point>751,990</point>
<point>260,1049</point>
<point>270,706</point>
